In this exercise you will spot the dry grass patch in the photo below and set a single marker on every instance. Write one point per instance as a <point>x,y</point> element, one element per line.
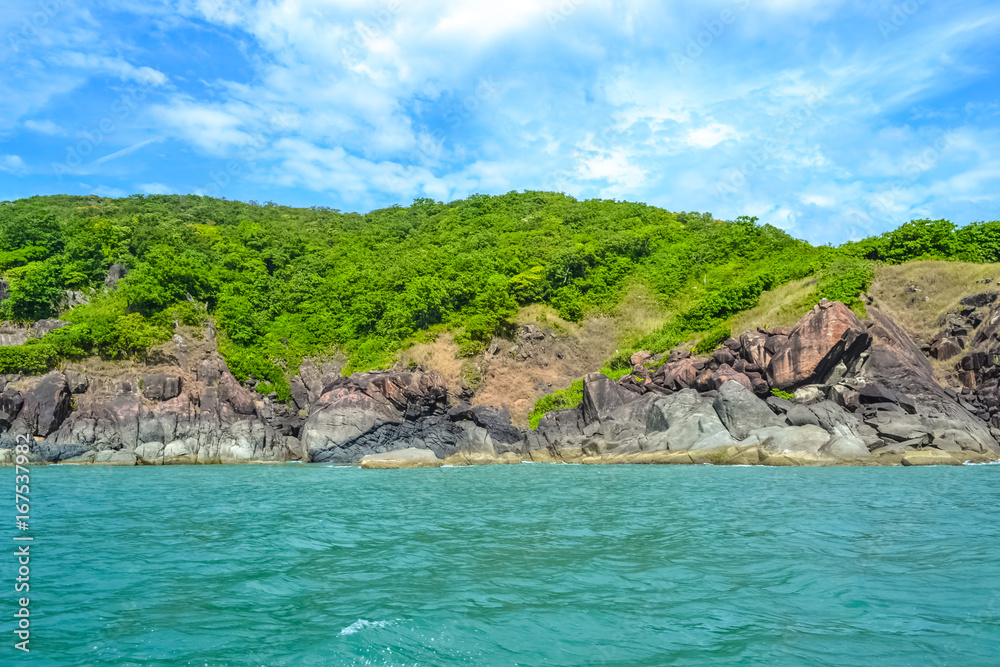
<point>780,307</point>
<point>639,313</point>
<point>942,285</point>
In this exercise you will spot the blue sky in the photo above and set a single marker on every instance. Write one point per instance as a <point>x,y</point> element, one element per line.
<point>832,120</point>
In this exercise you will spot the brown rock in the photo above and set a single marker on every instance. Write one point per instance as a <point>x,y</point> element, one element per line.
<point>754,351</point>
<point>816,344</point>
<point>640,357</point>
<point>727,373</point>
<point>967,378</point>
<point>724,356</point>
<point>945,348</point>
<point>680,375</point>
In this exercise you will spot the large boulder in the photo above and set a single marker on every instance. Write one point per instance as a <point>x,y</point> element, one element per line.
<point>679,375</point>
<point>370,413</point>
<point>849,437</point>
<point>342,419</point>
<point>77,382</point>
<point>47,405</point>
<point>895,363</point>
<point>685,421</point>
<point>11,403</point>
<point>741,411</point>
<point>753,345</point>
<point>602,396</point>
<point>807,439</point>
<point>820,341</point>
<point>725,374</point>
<point>161,386</point>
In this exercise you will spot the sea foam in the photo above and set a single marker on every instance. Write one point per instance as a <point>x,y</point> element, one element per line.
<point>362,624</point>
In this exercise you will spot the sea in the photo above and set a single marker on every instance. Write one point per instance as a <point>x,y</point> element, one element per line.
<point>532,564</point>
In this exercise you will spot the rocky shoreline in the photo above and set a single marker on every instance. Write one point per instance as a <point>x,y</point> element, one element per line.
<point>862,393</point>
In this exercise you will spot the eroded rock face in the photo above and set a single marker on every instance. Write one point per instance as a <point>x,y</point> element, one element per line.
<point>862,390</point>
<point>372,413</point>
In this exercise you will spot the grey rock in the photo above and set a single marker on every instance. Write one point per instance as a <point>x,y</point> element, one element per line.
<point>812,393</point>
<point>161,386</point>
<point>685,421</point>
<point>115,273</point>
<point>741,411</point>
<point>43,327</point>
<point>792,439</point>
<point>601,396</point>
<point>77,382</point>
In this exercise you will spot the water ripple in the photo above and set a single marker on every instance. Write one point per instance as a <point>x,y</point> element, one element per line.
<point>514,565</point>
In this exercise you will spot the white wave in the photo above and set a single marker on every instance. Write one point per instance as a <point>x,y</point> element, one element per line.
<point>362,624</point>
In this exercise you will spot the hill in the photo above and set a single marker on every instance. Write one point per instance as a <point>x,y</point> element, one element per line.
<point>284,284</point>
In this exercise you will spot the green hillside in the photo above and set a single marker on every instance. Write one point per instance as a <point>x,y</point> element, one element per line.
<point>283,283</point>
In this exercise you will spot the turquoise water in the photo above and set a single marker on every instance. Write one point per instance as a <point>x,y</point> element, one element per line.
<point>511,565</point>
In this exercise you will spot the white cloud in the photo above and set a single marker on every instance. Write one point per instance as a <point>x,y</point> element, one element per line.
<point>155,189</point>
<point>800,113</point>
<point>13,164</point>
<point>108,191</point>
<point>119,67</point>
<point>710,135</point>
<point>44,126</point>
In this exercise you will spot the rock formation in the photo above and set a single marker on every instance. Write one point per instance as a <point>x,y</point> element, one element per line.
<point>861,393</point>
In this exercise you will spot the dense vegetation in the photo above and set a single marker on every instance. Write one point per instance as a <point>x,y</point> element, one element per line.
<point>283,283</point>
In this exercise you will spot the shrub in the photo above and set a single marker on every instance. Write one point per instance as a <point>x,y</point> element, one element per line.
<point>28,359</point>
<point>712,339</point>
<point>845,280</point>
<point>570,397</point>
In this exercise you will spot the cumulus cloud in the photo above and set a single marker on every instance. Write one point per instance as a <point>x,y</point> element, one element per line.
<point>805,114</point>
